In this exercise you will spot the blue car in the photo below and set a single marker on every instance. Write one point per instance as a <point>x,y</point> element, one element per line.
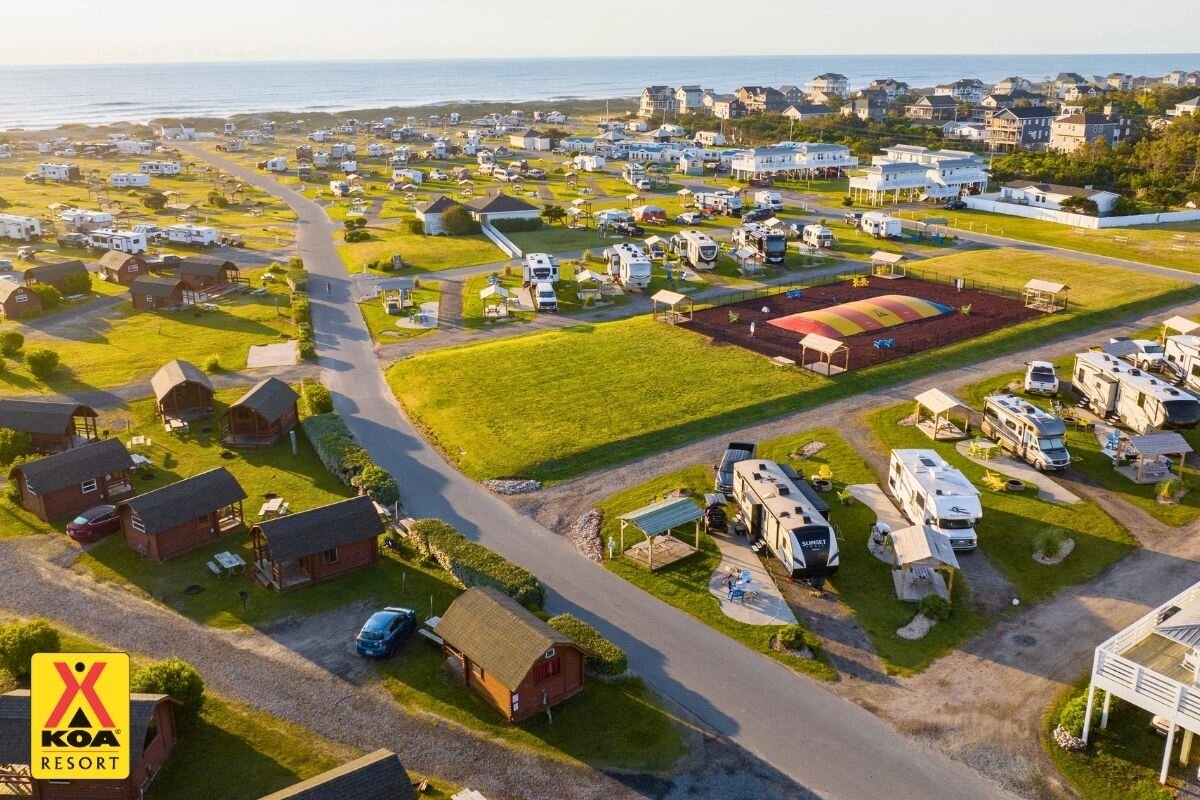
<point>381,634</point>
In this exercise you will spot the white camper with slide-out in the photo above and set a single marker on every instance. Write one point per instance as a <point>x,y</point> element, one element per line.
<point>1181,355</point>
<point>540,268</point>
<point>881,225</point>
<point>1114,388</point>
<point>931,492</point>
<point>628,265</point>
<point>696,248</point>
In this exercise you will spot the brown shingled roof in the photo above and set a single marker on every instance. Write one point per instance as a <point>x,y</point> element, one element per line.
<point>40,416</point>
<point>269,398</point>
<point>175,373</point>
<point>187,499</point>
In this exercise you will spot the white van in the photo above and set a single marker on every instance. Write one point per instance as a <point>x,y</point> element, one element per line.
<point>544,298</point>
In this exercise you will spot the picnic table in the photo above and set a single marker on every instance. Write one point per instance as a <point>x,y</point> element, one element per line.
<point>382,510</point>
<point>984,449</point>
<point>140,460</point>
<point>232,563</point>
<point>136,441</point>
<point>176,426</point>
<point>275,505</point>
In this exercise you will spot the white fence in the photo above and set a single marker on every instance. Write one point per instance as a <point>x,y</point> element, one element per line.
<point>986,203</point>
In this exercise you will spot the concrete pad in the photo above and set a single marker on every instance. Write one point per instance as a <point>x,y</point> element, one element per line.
<point>424,318</point>
<point>769,608</point>
<point>874,498</point>
<point>284,354</point>
<point>1048,489</point>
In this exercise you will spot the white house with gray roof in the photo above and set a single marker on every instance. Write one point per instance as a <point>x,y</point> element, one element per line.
<point>809,158</point>
<point>919,173</point>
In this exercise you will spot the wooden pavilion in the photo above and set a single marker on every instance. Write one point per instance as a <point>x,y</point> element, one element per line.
<point>1045,296</point>
<point>938,424</point>
<point>656,522</point>
<point>889,265</point>
<point>1151,456</point>
<point>925,563</point>
<point>827,351</point>
<point>672,302</point>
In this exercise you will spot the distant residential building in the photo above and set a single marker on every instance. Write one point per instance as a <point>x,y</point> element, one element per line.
<point>889,87</point>
<point>933,106</point>
<point>865,109</point>
<point>727,106</point>
<point>967,131</point>
<point>1020,128</point>
<point>824,99</point>
<point>808,158</point>
<point>1069,133</point>
<point>829,83</point>
<point>804,111</point>
<point>1175,77</point>
<point>919,173</point>
<point>710,138</point>
<point>761,99</point>
<point>967,90</point>
<point>690,100</point>
<point>1063,82</point>
<point>657,100</point>
<point>793,94</point>
<point>1192,79</point>
<point>1120,81</point>
<point>1074,94</point>
<point>1051,196</point>
<point>1186,108</point>
<point>1012,84</point>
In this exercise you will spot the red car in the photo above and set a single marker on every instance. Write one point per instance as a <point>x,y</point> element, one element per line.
<point>94,523</point>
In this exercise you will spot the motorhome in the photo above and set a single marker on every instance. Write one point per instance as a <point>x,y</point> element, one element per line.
<point>770,245</point>
<point>778,511</point>
<point>881,225</point>
<point>544,298</point>
<point>121,241</point>
<point>160,167</point>
<point>817,236</point>
<point>768,199</point>
<point>719,202</point>
<point>540,268</point>
<point>52,171</point>
<point>1114,388</point>
<point>454,118</point>
<point>696,248</point>
<point>1182,358</point>
<point>79,219</point>
<point>24,229</point>
<point>1040,378</point>
<point>129,180</point>
<point>635,175</point>
<point>628,265</point>
<point>933,493</point>
<point>1028,432</point>
<point>339,188</point>
<point>199,235</point>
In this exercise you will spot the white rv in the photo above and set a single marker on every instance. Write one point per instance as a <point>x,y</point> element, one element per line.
<point>339,188</point>
<point>1139,401</point>
<point>454,118</point>
<point>53,171</point>
<point>84,220</point>
<point>121,241</point>
<point>719,202</point>
<point>931,492</point>
<point>768,199</point>
<point>881,225</point>
<point>320,159</point>
<point>161,167</point>
<point>628,265</point>
<point>586,163</point>
<point>696,248</point>
<point>778,510</point>
<point>540,268</point>
<point>817,236</point>
<point>129,147</point>
<point>126,180</point>
<point>276,164</point>
<point>635,175</point>
<point>771,246</point>
<point>24,229</point>
<point>1026,431</point>
<point>201,235</point>
<point>1182,354</point>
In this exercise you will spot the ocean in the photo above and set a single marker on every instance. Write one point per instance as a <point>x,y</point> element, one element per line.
<point>45,96</point>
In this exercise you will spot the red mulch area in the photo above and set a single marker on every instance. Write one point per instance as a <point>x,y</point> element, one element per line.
<point>989,312</point>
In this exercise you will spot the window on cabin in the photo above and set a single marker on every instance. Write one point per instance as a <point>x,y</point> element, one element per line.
<point>151,735</point>
<point>330,556</point>
<point>137,524</point>
<point>88,486</point>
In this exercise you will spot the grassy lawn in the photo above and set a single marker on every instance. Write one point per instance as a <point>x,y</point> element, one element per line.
<point>684,584</point>
<point>863,582</point>
<point>1123,760</point>
<point>123,345</point>
<point>383,325</point>
<point>561,239</point>
<point>420,253</point>
<point>615,409</point>
<point>1012,521</point>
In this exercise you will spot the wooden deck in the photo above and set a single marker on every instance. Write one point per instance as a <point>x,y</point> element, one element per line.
<point>667,550</point>
<point>1163,655</point>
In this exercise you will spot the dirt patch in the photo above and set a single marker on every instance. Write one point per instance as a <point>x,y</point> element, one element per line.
<point>988,312</point>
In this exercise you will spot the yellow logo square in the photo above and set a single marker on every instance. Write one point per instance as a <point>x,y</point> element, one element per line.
<point>79,716</point>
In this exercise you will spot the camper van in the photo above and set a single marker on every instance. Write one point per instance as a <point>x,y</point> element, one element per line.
<point>776,508</point>
<point>540,268</point>
<point>696,248</point>
<point>628,266</point>
<point>768,199</point>
<point>1040,378</point>
<point>719,202</point>
<point>544,298</point>
<point>817,236</point>
<point>1114,388</point>
<point>1182,359</point>
<point>770,245</point>
<point>1026,431</point>
<point>933,493</point>
<point>881,225</point>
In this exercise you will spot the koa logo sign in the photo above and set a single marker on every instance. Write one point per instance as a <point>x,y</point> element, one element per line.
<point>79,713</point>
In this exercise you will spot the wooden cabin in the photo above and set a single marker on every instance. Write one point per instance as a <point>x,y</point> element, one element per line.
<point>314,546</point>
<point>160,294</point>
<point>375,776</point>
<point>152,733</point>
<point>122,268</point>
<point>184,515</point>
<point>62,485</point>
<point>52,426</point>
<point>261,416</point>
<point>204,272</point>
<point>18,301</point>
<point>516,662</point>
<point>182,391</point>
<point>62,276</point>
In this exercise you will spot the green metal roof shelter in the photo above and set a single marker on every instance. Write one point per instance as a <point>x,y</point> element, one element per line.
<point>659,520</point>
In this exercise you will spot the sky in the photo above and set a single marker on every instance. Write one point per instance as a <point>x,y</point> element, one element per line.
<point>136,31</point>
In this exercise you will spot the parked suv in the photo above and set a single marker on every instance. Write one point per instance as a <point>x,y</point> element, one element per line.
<point>382,632</point>
<point>853,218</point>
<point>734,452</point>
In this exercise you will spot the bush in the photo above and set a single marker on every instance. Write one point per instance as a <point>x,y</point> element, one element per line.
<point>78,283</point>
<point>934,607</point>
<point>13,445</point>
<point>301,312</point>
<point>217,200</point>
<point>1072,714</point>
<point>11,343</point>
<point>847,201</point>
<point>307,351</point>
<point>795,637</point>
<point>155,201</point>
<point>336,448</point>
<point>603,657</point>
<point>1048,541</point>
<point>296,262</point>
<point>315,397</point>
<point>457,221</point>
<point>378,484</point>
<point>517,225</point>
<point>41,362</point>
<point>176,678</point>
<point>471,564</point>
<point>297,279</point>
<point>213,364</point>
<point>356,236</point>
<point>416,227</point>
<point>19,642</point>
<point>51,298</point>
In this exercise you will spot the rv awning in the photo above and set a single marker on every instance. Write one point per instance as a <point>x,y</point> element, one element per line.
<point>493,290</point>
<point>888,258</point>
<point>1167,443</point>
<point>922,546</point>
<point>664,515</point>
<point>822,344</point>
<point>1037,285</point>
<point>938,402</point>
<point>670,298</point>
<point>1181,324</point>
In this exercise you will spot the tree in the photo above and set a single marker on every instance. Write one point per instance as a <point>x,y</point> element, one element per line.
<point>217,200</point>
<point>457,221</point>
<point>41,362</point>
<point>78,283</point>
<point>377,483</point>
<point>553,213</point>
<point>11,343</point>
<point>51,298</point>
<point>1080,205</point>
<point>155,201</point>
<point>13,445</point>
<point>176,678</point>
<point>19,642</point>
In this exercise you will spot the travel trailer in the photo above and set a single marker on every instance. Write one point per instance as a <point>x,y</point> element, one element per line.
<point>776,510</point>
<point>540,268</point>
<point>1028,432</point>
<point>931,492</point>
<point>128,180</point>
<point>1113,388</point>
<point>160,167</point>
<point>544,298</point>
<point>1040,378</point>
<point>1182,358</point>
<point>628,265</point>
<point>768,199</point>
<point>635,176</point>
<point>121,241</point>
<point>719,202</point>
<point>339,188</point>
<point>83,220</point>
<point>696,248</point>
<point>349,166</point>
<point>816,236</point>
<point>58,172</point>
<point>276,164</point>
<point>24,229</point>
<point>771,246</point>
<point>454,118</point>
<point>201,235</point>
<point>880,225</point>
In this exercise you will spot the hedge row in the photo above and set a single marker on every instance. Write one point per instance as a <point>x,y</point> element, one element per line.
<point>472,564</point>
<point>346,460</point>
<point>315,397</point>
<point>603,657</point>
<point>517,225</point>
<point>297,280</point>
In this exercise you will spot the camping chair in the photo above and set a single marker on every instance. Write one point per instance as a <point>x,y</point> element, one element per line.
<point>824,473</point>
<point>844,497</point>
<point>993,481</point>
<point>861,282</point>
<point>966,310</point>
<point>733,317</point>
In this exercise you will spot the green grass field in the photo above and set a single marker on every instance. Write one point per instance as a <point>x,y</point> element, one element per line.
<point>420,253</point>
<point>616,408</point>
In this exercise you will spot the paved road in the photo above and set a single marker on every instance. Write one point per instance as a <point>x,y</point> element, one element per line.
<point>827,745</point>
